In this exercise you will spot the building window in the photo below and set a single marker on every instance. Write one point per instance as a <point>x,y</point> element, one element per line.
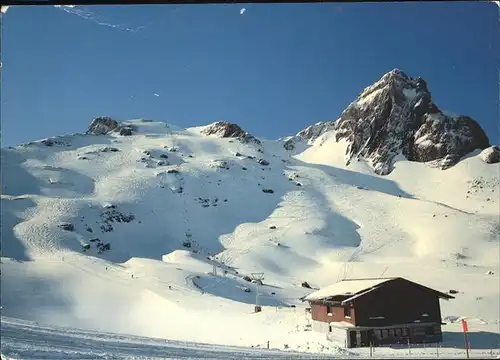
<point>328,309</point>
<point>398,332</point>
<point>385,334</point>
<point>391,332</point>
<point>405,332</point>
<point>378,334</point>
<point>347,312</point>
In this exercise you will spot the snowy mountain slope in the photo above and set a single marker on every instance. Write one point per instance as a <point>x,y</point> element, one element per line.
<point>121,232</point>
<point>297,233</point>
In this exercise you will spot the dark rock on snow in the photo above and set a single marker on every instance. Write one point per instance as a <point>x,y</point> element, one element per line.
<point>67,226</point>
<point>306,285</point>
<point>102,125</point>
<point>116,216</point>
<point>103,246</point>
<point>224,129</point>
<point>126,131</point>
<point>110,149</point>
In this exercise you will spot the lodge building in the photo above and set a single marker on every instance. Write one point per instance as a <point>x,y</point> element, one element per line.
<point>378,312</point>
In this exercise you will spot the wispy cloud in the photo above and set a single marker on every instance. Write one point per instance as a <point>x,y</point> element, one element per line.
<point>4,9</point>
<point>242,11</point>
<point>86,14</point>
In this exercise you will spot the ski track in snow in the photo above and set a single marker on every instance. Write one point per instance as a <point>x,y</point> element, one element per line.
<point>24,340</point>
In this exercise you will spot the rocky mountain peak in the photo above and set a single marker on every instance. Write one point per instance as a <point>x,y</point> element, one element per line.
<point>397,115</point>
<point>225,129</point>
<point>102,125</point>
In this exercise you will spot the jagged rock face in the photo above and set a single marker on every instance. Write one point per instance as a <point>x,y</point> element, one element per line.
<point>102,125</point>
<point>396,114</point>
<point>228,130</point>
<point>313,132</point>
<point>307,135</point>
<point>446,140</point>
<point>491,155</point>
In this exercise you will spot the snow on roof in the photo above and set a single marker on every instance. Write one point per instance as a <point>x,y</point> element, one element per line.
<point>341,324</point>
<point>346,287</point>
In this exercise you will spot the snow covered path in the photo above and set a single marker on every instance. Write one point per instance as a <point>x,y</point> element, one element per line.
<point>28,340</point>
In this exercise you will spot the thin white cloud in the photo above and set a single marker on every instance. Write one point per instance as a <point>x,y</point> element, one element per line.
<point>155,94</point>
<point>86,14</point>
<point>242,11</point>
<point>4,9</point>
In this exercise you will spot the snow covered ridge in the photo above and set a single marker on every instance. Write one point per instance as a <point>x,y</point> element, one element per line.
<point>397,115</point>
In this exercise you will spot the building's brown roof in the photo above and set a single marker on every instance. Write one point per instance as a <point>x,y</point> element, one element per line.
<point>354,288</point>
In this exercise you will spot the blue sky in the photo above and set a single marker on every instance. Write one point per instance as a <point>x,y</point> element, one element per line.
<point>274,70</point>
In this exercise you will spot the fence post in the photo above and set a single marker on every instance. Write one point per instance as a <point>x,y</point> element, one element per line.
<point>437,350</point>
<point>409,347</point>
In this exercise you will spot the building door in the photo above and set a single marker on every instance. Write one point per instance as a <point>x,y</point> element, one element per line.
<point>352,339</point>
<point>364,338</point>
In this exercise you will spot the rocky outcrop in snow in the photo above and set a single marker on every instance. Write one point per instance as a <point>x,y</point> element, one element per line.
<point>313,132</point>
<point>491,155</point>
<point>102,125</point>
<point>224,129</point>
<point>307,135</point>
<point>397,115</point>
